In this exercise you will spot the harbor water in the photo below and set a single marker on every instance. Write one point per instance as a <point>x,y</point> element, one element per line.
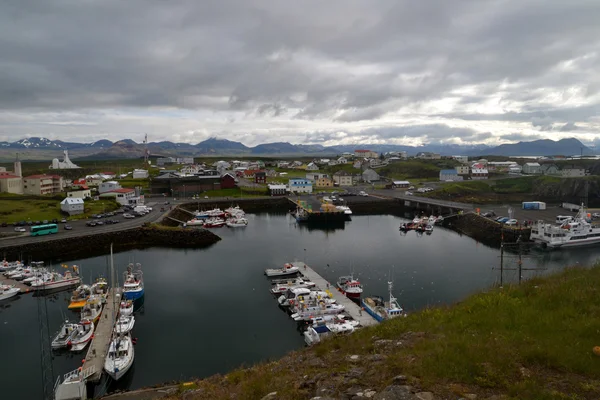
<point>209,311</point>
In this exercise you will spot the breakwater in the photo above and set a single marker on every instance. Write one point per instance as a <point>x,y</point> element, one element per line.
<point>98,244</point>
<point>485,230</point>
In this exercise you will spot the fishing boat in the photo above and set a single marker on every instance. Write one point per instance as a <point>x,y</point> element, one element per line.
<point>296,295</point>
<point>120,356</point>
<point>214,223</point>
<point>439,220</point>
<point>83,335</point>
<point>282,287</point>
<point>315,333</point>
<point>64,336</point>
<point>124,324</point>
<point>57,281</point>
<point>345,209</point>
<point>133,288</point>
<point>195,222</point>
<point>214,213</point>
<point>287,269</point>
<point>92,309</point>
<point>7,266</point>
<point>235,212</point>
<point>8,291</point>
<point>15,272</point>
<point>126,308</point>
<point>237,222</point>
<point>349,286</point>
<point>37,273</point>
<point>80,297</point>
<point>100,289</point>
<point>574,232</point>
<point>306,313</point>
<point>382,310</point>
<point>429,229</point>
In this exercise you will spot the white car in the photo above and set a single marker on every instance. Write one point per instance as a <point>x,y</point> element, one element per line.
<point>511,222</point>
<point>20,229</point>
<point>128,216</point>
<point>596,215</point>
<point>362,194</point>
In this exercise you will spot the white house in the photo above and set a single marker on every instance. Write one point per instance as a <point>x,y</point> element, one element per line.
<point>450,175</point>
<point>479,173</point>
<point>191,169</point>
<point>462,169</point>
<point>123,196</point>
<point>300,185</point>
<point>140,174</point>
<point>313,176</point>
<point>342,160</point>
<point>532,168</point>
<point>80,194</point>
<point>343,178</point>
<point>72,206</point>
<point>312,167</point>
<point>277,190</point>
<point>461,159</point>
<point>572,172</point>
<point>108,186</point>
<point>369,175</point>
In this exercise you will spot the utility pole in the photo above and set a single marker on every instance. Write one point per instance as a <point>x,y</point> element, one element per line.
<point>520,248</point>
<point>45,352</point>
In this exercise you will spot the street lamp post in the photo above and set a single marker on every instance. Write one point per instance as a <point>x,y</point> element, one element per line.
<point>304,256</point>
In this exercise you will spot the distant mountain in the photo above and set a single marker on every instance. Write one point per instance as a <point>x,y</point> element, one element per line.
<point>221,146</point>
<point>544,147</point>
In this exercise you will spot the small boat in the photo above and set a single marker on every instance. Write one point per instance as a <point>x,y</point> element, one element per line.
<point>288,269</point>
<point>429,229</point>
<point>214,213</point>
<point>349,286</point>
<point>37,273</point>
<point>83,335</point>
<point>382,310</point>
<point>17,271</point>
<point>345,209</point>
<point>7,266</point>
<point>235,212</point>
<point>124,324</point>
<point>120,356</point>
<point>133,288</point>
<point>237,222</point>
<point>282,287</point>
<point>439,220</point>
<point>100,289</point>
<point>57,281</point>
<point>314,334</point>
<point>8,291</point>
<point>297,295</point>
<point>126,308</point>
<point>80,297</point>
<point>195,222</point>
<point>92,309</point>
<point>416,220</point>
<point>214,223</point>
<point>65,334</point>
<point>307,313</point>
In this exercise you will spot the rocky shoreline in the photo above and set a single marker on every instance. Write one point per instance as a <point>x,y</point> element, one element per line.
<point>486,230</point>
<point>99,244</point>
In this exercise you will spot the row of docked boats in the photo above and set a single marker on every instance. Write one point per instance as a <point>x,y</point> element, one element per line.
<point>424,224</point>
<point>40,279</point>
<point>233,217</point>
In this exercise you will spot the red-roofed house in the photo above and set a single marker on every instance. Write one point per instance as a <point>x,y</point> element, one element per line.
<point>10,183</point>
<point>123,196</point>
<point>249,173</point>
<point>365,154</point>
<point>42,184</point>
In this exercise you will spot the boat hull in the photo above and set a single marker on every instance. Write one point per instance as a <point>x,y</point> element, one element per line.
<point>57,285</point>
<point>133,294</point>
<point>351,295</point>
<point>370,311</point>
<point>9,293</point>
<point>77,304</point>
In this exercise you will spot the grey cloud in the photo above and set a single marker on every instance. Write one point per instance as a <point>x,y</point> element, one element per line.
<point>568,127</point>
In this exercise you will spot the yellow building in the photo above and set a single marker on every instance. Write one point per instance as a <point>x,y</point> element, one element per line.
<point>323,182</point>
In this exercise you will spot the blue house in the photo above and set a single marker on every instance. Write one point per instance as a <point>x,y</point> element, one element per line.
<point>450,175</point>
<point>299,185</point>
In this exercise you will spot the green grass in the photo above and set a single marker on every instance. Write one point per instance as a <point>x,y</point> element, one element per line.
<point>47,209</point>
<point>132,183</point>
<point>416,169</point>
<point>532,341</point>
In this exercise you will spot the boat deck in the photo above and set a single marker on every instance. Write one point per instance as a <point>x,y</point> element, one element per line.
<point>351,307</point>
<point>102,335</point>
<point>24,288</point>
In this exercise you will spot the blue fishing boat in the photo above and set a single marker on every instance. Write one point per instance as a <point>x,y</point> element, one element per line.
<point>133,286</point>
<point>380,309</point>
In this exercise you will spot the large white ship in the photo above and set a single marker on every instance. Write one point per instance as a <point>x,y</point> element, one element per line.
<point>578,231</point>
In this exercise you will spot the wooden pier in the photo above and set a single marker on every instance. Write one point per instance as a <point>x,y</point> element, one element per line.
<point>104,328</point>
<point>24,288</point>
<point>351,307</point>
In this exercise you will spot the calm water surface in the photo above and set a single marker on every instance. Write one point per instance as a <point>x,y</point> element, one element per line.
<point>208,311</point>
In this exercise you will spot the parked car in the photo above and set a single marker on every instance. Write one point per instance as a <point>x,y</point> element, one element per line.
<point>167,203</point>
<point>91,223</point>
<point>64,220</point>
<point>488,214</point>
<point>503,220</point>
<point>361,193</point>
<point>128,216</point>
<point>408,193</point>
<point>20,229</point>
<point>411,188</point>
<point>594,215</point>
<point>511,222</point>
<point>206,197</point>
<point>54,221</point>
<point>68,227</point>
<point>100,223</point>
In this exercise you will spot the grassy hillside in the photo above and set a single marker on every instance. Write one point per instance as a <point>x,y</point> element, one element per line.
<point>417,169</point>
<point>532,341</point>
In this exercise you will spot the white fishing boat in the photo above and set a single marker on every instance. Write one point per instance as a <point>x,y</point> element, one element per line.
<point>214,223</point>
<point>65,334</point>
<point>195,222</point>
<point>57,281</point>
<point>282,287</point>
<point>416,220</point>
<point>237,222</point>
<point>335,318</point>
<point>308,312</point>
<point>439,220</point>
<point>124,324</point>
<point>575,232</point>
<point>315,333</point>
<point>37,273</point>
<point>100,289</point>
<point>120,356</point>
<point>92,309</point>
<point>345,209</point>
<point>235,212</point>
<point>297,295</point>
<point>382,310</point>
<point>15,272</point>
<point>7,266</point>
<point>429,229</point>
<point>83,335</point>
<point>288,269</point>
<point>126,308</point>
<point>133,286</point>
<point>8,291</point>
<point>214,213</point>
<point>349,286</point>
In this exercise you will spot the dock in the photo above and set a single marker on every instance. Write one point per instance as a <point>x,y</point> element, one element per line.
<point>353,309</point>
<point>99,347</point>
<point>24,288</point>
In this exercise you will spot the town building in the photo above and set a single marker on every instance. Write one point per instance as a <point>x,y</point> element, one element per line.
<point>365,154</point>
<point>184,186</point>
<point>550,169</point>
<point>140,174</point>
<point>479,173</point>
<point>123,196</point>
<point>83,192</point>
<point>108,186</point>
<point>427,155</point>
<point>260,177</point>
<point>72,206</point>
<point>313,176</point>
<point>324,182</point>
<point>228,181</point>
<point>572,172</point>
<point>299,185</point>
<point>532,168</point>
<point>191,169</point>
<point>370,175</point>
<point>42,184</point>
<point>461,159</point>
<point>66,163</point>
<point>277,190</point>
<point>462,169</point>
<point>342,160</point>
<point>343,178</point>
<point>94,180</point>
<point>312,167</point>
<point>500,166</point>
<point>10,183</point>
<point>450,175</point>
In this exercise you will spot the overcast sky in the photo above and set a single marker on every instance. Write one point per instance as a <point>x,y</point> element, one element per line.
<point>327,72</point>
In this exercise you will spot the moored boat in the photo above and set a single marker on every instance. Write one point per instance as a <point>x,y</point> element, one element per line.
<point>92,309</point>
<point>195,222</point>
<point>126,308</point>
<point>349,286</point>
<point>282,287</point>
<point>83,335</point>
<point>120,356</point>
<point>8,291</point>
<point>287,269</point>
<point>382,310</point>
<point>80,297</point>
<point>306,313</point>
<point>64,335</point>
<point>133,286</point>
<point>124,324</point>
<point>57,281</point>
<point>296,295</point>
<point>100,289</point>
<point>214,223</point>
<point>237,222</point>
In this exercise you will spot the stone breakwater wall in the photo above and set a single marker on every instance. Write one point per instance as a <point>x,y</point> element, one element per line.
<point>99,244</point>
<point>485,230</point>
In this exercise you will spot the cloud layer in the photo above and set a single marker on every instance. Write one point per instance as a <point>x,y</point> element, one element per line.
<point>340,71</point>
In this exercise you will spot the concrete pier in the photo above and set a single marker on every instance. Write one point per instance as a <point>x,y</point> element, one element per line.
<point>104,328</point>
<point>24,288</point>
<point>353,309</point>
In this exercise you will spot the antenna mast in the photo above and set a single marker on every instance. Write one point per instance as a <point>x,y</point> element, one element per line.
<point>146,152</point>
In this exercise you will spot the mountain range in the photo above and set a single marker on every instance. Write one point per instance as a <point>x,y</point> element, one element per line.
<point>39,148</point>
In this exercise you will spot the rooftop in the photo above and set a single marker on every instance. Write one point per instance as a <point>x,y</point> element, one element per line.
<point>43,176</point>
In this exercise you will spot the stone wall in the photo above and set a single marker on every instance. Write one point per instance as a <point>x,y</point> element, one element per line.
<point>99,244</point>
<point>485,230</point>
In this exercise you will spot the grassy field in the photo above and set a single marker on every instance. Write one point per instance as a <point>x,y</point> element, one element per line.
<point>416,169</point>
<point>532,341</point>
<point>47,209</point>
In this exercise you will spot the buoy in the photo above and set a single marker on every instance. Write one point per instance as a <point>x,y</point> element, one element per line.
<point>83,361</point>
<point>596,350</point>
